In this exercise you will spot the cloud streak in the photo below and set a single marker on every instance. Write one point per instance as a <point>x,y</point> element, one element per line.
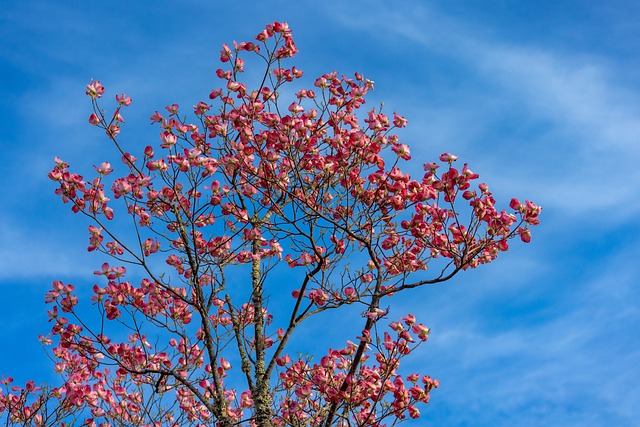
<point>587,119</point>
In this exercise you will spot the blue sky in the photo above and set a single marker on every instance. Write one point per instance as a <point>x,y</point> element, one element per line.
<point>541,98</point>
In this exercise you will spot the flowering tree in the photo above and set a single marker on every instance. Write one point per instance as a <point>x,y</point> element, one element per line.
<point>262,187</point>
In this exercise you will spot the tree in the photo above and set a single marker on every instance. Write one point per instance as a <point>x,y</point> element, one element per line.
<point>266,186</point>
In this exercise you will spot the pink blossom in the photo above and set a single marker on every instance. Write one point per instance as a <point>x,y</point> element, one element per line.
<point>448,157</point>
<point>402,150</point>
<point>516,205</point>
<point>172,109</point>
<point>123,100</point>
<point>224,364</point>
<point>409,319</point>
<point>367,278</point>
<point>246,400</point>
<point>525,234</point>
<point>263,36</point>
<point>94,119</point>
<point>421,330</point>
<point>413,411</point>
<point>318,297</point>
<point>399,121</point>
<point>104,169</point>
<point>215,93</point>
<point>156,118</point>
<point>168,139</point>
<point>95,89</point>
<point>225,53</point>
<point>113,130</point>
<point>431,167</point>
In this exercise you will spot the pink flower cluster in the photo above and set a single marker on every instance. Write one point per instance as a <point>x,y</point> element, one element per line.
<point>260,200</point>
<point>360,393</point>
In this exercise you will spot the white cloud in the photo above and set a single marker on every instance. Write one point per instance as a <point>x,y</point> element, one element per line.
<point>567,343</point>
<point>579,144</point>
<point>29,252</point>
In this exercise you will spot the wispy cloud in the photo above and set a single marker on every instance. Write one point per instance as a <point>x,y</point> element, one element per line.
<point>581,138</point>
<point>534,337</point>
<point>36,251</point>
<point>588,158</point>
